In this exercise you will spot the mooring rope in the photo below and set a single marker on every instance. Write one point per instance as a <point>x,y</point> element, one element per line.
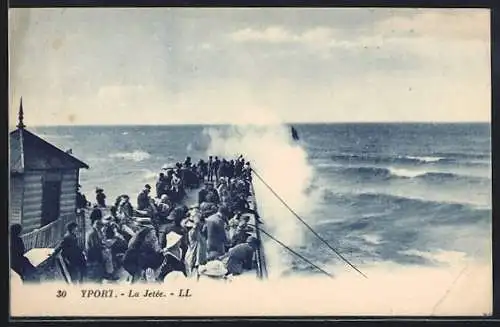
<point>309,227</point>
<point>292,251</point>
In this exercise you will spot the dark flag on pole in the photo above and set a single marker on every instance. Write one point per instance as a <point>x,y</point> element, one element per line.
<point>295,135</point>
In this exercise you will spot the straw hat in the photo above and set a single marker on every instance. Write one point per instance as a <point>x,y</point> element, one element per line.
<point>174,276</point>
<point>214,268</point>
<point>172,239</point>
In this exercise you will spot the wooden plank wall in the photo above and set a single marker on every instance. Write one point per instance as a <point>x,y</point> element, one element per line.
<point>68,192</point>
<point>32,200</point>
<point>15,198</point>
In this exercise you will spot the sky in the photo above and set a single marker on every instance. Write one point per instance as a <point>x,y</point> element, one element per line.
<point>85,66</point>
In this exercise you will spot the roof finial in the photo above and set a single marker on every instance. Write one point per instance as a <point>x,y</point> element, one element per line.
<point>21,116</point>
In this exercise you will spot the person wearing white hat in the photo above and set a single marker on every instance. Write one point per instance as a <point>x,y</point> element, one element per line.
<point>196,253</point>
<point>173,256</point>
<point>213,270</point>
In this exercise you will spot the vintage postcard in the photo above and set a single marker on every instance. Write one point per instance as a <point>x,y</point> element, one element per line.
<point>250,162</point>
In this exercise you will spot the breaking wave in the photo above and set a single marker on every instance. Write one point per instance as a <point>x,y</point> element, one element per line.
<point>412,160</point>
<point>136,155</point>
<point>366,172</point>
<point>394,203</point>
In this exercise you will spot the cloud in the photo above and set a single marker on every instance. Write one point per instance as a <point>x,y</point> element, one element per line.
<point>272,34</point>
<point>174,66</point>
<point>460,24</point>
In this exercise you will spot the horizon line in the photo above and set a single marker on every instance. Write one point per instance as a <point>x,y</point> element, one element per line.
<point>263,124</point>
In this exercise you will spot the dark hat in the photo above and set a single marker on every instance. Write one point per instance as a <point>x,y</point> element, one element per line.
<point>147,186</point>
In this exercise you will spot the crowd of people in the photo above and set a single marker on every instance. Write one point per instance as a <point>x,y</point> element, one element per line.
<point>161,237</point>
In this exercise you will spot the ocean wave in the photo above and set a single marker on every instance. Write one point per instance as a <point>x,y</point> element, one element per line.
<point>463,155</point>
<point>134,156</point>
<point>426,159</point>
<point>441,158</point>
<point>359,199</point>
<point>367,172</point>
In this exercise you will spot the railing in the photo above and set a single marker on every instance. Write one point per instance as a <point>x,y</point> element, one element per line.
<point>261,258</point>
<point>51,234</point>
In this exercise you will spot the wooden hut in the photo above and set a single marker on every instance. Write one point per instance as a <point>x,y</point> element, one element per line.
<point>43,180</point>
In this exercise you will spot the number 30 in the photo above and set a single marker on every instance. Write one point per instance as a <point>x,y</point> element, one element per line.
<point>61,293</point>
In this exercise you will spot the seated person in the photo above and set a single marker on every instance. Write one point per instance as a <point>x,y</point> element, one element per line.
<point>240,258</point>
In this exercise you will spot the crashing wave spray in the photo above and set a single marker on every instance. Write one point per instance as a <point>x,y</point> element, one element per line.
<point>284,165</point>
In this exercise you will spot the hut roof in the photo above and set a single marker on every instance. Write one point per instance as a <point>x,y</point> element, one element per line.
<point>37,154</point>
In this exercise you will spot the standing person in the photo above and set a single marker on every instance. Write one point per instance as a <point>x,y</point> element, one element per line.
<point>231,170</point>
<point>202,194</point>
<point>238,166</point>
<point>81,200</point>
<point>210,169</point>
<point>100,197</point>
<point>212,195</point>
<point>124,214</point>
<point>96,214</point>
<point>161,185</point>
<point>114,247</point>
<point>173,256</point>
<point>143,200</point>
<point>72,253</point>
<point>215,166</point>
<point>177,216</point>
<point>18,262</point>
<point>223,190</point>
<point>143,251</point>
<point>221,172</point>
<point>196,253</point>
<point>216,232</point>
<point>247,171</point>
<point>94,248</point>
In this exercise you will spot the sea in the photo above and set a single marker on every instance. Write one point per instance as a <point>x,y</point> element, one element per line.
<point>399,195</point>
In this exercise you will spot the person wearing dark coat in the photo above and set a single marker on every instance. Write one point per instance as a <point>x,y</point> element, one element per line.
<point>72,253</point>
<point>94,247</point>
<point>161,186</point>
<point>96,214</point>
<point>240,257</point>
<point>18,262</point>
<point>173,260</point>
<point>143,251</point>
<point>210,169</point>
<point>100,197</point>
<point>215,227</point>
<point>215,167</point>
<point>202,194</point>
<point>81,200</point>
<point>143,200</point>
